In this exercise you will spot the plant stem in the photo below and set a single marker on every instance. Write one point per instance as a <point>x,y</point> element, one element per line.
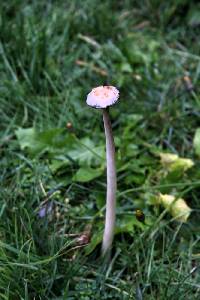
<point>111,185</point>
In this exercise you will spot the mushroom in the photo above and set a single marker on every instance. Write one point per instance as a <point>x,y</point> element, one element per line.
<point>103,97</point>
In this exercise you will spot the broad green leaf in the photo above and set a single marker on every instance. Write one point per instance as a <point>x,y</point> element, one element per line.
<point>26,137</point>
<point>52,140</point>
<point>58,163</point>
<point>86,174</point>
<point>86,152</point>
<point>61,146</point>
<point>126,223</point>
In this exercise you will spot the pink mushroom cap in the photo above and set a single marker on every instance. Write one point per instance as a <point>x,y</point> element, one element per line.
<point>102,96</point>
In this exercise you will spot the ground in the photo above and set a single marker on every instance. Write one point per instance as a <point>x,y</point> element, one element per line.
<point>52,148</point>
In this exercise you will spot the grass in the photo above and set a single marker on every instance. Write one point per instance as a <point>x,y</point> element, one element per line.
<point>52,54</point>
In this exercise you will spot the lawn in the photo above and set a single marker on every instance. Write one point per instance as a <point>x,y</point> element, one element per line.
<point>52,149</point>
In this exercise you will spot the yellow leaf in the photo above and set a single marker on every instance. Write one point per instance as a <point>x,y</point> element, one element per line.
<point>178,208</point>
<point>172,162</point>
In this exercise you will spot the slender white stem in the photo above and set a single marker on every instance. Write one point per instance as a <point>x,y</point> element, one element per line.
<point>111,185</point>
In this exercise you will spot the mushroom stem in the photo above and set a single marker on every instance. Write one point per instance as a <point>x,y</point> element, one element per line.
<point>111,185</point>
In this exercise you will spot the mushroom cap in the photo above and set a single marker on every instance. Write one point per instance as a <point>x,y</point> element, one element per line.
<point>102,96</point>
